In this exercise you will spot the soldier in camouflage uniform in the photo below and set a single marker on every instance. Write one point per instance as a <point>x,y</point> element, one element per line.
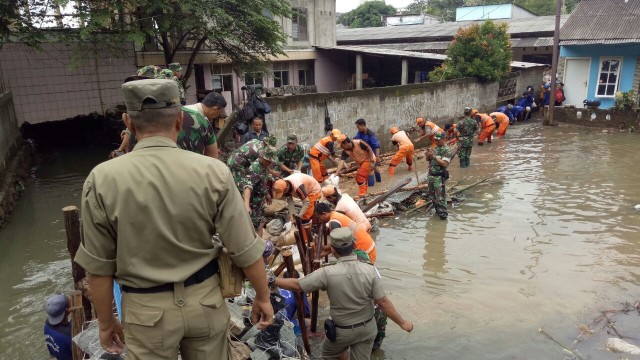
<point>255,189</point>
<point>467,129</point>
<point>439,159</point>
<point>290,156</point>
<point>171,73</point>
<point>241,158</point>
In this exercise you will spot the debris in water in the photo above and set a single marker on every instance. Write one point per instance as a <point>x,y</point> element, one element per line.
<point>637,207</point>
<point>620,346</point>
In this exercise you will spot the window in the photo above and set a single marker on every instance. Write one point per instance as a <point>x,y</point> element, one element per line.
<point>305,77</point>
<point>222,78</point>
<point>280,74</point>
<point>608,77</point>
<point>299,24</point>
<point>253,79</point>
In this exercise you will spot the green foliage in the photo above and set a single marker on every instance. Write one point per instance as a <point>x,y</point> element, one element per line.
<point>480,51</point>
<point>244,32</point>
<point>368,14</point>
<point>626,100</point>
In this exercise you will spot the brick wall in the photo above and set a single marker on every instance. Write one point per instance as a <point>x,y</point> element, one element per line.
<point>45,87</point>
<point>380,107</point>
<point>617,119</point>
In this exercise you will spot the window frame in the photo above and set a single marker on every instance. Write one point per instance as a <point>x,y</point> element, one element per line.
<point>297,14</point>
<point>281,73</point>
<point>254,77</point>
<point>607,84</point>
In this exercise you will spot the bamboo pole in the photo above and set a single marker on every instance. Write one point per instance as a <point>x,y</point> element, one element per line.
<point>288,260</point>
<point>76,311</point>
<point>71,216</point>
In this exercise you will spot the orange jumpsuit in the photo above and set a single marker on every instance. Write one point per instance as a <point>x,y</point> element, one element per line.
<point>405,151</point>
<point>503,122</point>
<point>362,154</point>
<point>304,187</point>
<point>487,126</point>
<point>364,241</point>
<point>452,134</point>
<point>320,152</point>
<point>431,129</point>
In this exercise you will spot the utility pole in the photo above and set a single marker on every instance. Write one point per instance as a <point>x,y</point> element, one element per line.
<point>554,65</point>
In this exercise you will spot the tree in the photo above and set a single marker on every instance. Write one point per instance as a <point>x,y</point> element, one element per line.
<point>368,14</point>
<point>480,51</point>
<point>243,32</point>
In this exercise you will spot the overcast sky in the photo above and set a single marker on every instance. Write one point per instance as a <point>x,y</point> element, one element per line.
<point>343,6</point>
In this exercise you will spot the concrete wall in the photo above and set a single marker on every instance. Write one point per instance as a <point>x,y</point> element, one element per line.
<point>9,135</point>
<point>46,88</point>
<point>617,119</point>
<point>531,76</point>
<point>381,107</point>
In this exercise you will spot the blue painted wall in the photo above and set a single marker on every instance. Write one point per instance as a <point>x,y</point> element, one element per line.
<point>629,53</point>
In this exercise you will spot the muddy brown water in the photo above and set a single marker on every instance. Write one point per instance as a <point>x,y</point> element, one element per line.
<point>549,242</point>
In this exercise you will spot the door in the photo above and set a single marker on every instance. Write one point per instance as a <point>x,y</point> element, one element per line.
<point>576,81</point>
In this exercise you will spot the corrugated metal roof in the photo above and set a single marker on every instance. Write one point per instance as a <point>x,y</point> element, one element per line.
<point>411,54</point>
<point>443,45</point>
<point>540,24</point>
<point>600,42</point>
<point>594,20</point>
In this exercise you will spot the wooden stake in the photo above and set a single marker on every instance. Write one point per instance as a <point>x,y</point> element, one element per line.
<point>71,216</point>
<point>76,311</point>
<point>288,259</point>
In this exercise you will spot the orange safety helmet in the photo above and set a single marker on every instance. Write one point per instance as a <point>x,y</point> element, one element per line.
<point>342,138</point>
<point>420,121</point>
<point>394,130</point>
<point>336,133</point>
<point>278,188</point>
<point>474,112</point>
<point>329,190</point>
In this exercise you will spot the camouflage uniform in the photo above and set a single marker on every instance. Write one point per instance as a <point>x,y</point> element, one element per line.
<point>156,72</point>
<point>437,177</point>
<point>290,159</point>
<point>257,178</point>
<point>240,160</point>
<point>379,315</point>
<point>467,129</point>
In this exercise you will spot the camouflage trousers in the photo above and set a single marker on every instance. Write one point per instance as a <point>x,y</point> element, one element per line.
<point>465,152</point>
<point>257,205</point>
<point>381,323</point>
<point>437,194</point>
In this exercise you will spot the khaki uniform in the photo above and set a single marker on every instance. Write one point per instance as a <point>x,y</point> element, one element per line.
<point>148,219</point>
<point>352,287</point>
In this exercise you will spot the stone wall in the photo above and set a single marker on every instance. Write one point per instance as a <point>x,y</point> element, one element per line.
<point>10,138</point>
<point>382,108</point>
<point>617,119</point>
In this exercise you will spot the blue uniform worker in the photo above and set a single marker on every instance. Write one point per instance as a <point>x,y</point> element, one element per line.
<point>57,328</point>
<point>367,135</point>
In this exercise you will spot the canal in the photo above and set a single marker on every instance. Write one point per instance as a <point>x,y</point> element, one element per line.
<point>549,242</point>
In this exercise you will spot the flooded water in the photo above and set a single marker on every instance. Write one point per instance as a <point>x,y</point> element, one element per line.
<point>550,241</point>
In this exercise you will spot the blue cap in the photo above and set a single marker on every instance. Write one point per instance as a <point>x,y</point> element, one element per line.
<point>56,307</point>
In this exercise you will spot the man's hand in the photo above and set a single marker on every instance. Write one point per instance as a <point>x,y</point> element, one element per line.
<point>261,313</point>
<point>268,199</point>
<point>248,209</point>
<point>407,326</point>
<point>112,336</point>
<point>429,153</point>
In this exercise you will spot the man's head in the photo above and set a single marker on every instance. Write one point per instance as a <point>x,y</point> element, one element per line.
<point>323,210</point>
<point>441,138</point>
<point>176,68</point>
<point>473,113</point>
<point>342,241</point>
<point>257,123</point>
<point>56,308</point>
<point>153,106</point>
<point>394,130</point>
<point>280,188</point>
<point>509,106</point>
<point>331,193</point>
<point>420,121</point>
<point>270,140</point>
<point>361,124</point>
<point>292,142</point>
<point>467,111</point>
<point>448,126</point>
<point>213,106</point>
<point>335,134</point>
<point>345,142</point>
<point>267,155</point>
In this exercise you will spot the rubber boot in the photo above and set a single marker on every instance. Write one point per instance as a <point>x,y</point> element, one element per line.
<point>467,162</point>
<point>378,176</point>
<point>371,180</point>
<point>463,163</point>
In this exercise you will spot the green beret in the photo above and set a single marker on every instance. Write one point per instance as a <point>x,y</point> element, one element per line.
<point>151,94</point>
<point>341,237</point>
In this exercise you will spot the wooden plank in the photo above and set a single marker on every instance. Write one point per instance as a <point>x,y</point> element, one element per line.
<point>76,311</point>
<point>71,216</point>
<point>288,259</point>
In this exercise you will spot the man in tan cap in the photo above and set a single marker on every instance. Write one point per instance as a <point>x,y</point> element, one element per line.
<point>148,219</point>
<point>353,288</point>
<point>346,205</point>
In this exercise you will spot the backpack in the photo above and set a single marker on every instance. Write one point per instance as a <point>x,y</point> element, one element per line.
<point>559,96</point>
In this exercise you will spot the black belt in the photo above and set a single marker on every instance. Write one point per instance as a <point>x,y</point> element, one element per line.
<point>199,276</point>
<point>354,325</point>
<point>314,157</point>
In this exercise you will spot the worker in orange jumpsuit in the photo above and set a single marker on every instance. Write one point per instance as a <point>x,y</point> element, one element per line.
<point>323,149</point>
<point>487,126</point>
<point>405,149</point>
<point>300,186</point>
<point>363,155</point>
<point>502,122</point>
<point>334,220</point>
<point>451,133</point>
<point>428,129</point>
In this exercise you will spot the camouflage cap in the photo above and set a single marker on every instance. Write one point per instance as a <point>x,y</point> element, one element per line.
<point>270,140</point>
<point>174,67</point>
<point>341,237</point>
<point>269,153</point>
<point>151,94</point>
<point>292,138</point>
<point>439,135</point>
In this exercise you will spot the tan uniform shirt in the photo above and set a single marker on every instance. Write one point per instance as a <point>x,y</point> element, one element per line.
<point>349,207</point>
<point>148,217</point>
<point>351,286</point>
